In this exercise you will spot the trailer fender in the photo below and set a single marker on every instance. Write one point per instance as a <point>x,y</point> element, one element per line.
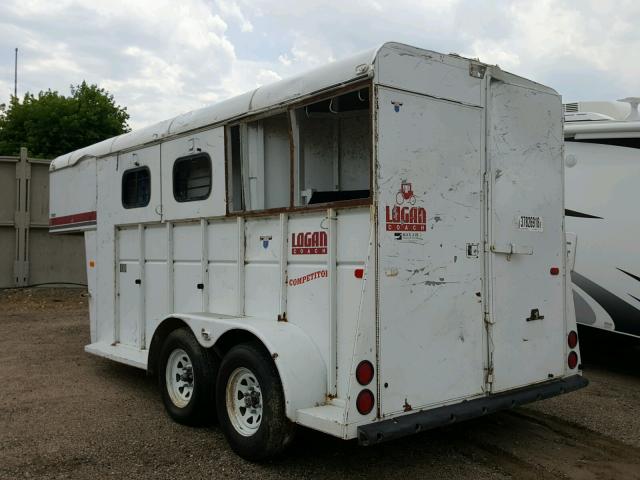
<point>301,368</point>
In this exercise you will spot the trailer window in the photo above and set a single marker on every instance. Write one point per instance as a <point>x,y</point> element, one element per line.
<point>234,170</point>
<point>333,149</point>
<point>259,164</point>
<point>136,187</point>
<point>192,178</point>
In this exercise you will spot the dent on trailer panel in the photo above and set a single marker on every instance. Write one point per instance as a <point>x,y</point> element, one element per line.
<point>429,73</point>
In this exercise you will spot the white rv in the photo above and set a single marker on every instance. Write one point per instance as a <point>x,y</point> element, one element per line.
<point>371,249</point>
<point>602,181</point>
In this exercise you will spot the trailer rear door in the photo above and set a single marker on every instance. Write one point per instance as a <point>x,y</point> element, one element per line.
<point>526,244</point>
<point>432,347</point>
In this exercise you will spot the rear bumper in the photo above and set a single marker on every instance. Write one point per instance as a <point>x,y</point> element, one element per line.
<point>385,430</point>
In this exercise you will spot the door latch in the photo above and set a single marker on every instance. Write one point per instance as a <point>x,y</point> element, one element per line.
<point>200,286</point>
<point>535,315</point>
<point>138,281</point>
<point>472,250</point>
<point>510,249</point>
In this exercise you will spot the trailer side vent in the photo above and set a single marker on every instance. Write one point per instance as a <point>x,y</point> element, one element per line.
<point>571,107</point>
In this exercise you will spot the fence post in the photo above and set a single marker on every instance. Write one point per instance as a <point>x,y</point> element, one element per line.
<point>21,220</point>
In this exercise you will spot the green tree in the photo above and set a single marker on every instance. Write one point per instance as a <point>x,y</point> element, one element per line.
<point>51,124</point>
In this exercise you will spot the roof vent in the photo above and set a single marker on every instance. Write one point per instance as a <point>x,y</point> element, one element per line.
<point>571,107</point>
<point>633,103</point>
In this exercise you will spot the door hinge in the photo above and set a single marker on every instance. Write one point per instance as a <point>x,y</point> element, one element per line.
<point>489,376</point>
<point>487,318</point>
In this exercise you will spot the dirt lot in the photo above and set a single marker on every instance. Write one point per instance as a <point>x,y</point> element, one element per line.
<point>65,414</point>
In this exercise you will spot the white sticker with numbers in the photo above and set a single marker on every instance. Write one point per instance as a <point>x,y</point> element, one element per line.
<point>533,224</point>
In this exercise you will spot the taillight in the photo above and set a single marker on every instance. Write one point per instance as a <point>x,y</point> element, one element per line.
<point>365,402</point>
<point>554,270</point>
<point>364,372</point>
<point>572,339</point>
<point>572,361</point>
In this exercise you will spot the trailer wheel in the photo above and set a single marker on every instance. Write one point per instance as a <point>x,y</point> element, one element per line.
<point>186,375</point>
<point>251,405</point>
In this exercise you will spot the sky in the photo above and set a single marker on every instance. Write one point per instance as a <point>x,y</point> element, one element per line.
<point>160,58</point>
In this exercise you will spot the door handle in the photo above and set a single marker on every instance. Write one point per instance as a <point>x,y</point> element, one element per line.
<point>200,286</point>
<point>509,249</point>
<point>138,281</point>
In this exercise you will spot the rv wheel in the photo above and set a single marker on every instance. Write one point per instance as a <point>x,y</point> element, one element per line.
<point>250,403</point>
<point>186,375</point>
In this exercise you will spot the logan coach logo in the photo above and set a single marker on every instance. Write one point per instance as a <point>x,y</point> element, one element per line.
<point>309,243</point>
<point>406,219</point>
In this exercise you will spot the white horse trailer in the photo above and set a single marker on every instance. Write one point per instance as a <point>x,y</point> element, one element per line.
<point>371,249</point>
<point>602,177</point>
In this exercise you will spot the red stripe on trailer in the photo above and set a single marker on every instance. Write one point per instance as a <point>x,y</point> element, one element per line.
<point>72,219</point>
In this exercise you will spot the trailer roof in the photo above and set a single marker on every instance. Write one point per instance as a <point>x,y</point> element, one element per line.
<point>257,100</point>
<point>264,98</point>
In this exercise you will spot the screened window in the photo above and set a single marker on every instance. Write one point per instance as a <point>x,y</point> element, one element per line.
<point>136,187</point>
<point>192,178</point>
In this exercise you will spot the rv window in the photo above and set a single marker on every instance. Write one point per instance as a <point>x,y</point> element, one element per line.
<point>333,153</point>
<point>136,187</point>
<point>192,178</point>
<point>259,164</point>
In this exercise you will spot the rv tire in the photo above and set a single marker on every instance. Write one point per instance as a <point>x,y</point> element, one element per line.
<point>186,376</point>
<point>251,404</point>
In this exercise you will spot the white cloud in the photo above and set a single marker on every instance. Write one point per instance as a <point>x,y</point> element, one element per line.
<point>161,57</point>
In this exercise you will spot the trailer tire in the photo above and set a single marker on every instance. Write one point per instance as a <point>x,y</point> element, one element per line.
<point>251,404</point>
<point>186,376</point>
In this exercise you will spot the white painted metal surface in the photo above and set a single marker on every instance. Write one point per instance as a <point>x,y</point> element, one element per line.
<point>395,269</point>
<point>525,178</point>
<point>429,210</point>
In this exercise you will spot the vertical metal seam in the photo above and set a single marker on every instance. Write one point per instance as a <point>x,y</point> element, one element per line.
<point>333,303</point>
<point>204,226</point>
<point>142,286</point>
<point>240,267</point>
<point>170,269</point>
<point>284,261</point>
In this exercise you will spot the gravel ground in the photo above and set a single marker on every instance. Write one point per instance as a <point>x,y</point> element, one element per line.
<point>66,414</point>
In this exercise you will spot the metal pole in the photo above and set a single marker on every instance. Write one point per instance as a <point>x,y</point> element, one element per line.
<point>15,76</point>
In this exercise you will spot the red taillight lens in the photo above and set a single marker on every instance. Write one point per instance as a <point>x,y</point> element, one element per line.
<point>364,372</point>
<point>572,360</point>
<point>554,270</point>
<point>358,272</point>
<point>572,339</point>
<point>365,402</point>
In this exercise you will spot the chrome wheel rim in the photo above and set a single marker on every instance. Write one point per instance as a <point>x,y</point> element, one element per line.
<point>244,401</point>
<point>179,378</point>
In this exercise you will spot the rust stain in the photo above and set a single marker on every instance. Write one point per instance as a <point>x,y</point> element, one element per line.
<point>406,407</point>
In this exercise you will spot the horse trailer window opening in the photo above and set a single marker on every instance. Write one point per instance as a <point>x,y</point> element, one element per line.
<point>136,187</point>
<point>370,249</point>
<point>192,178</point>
